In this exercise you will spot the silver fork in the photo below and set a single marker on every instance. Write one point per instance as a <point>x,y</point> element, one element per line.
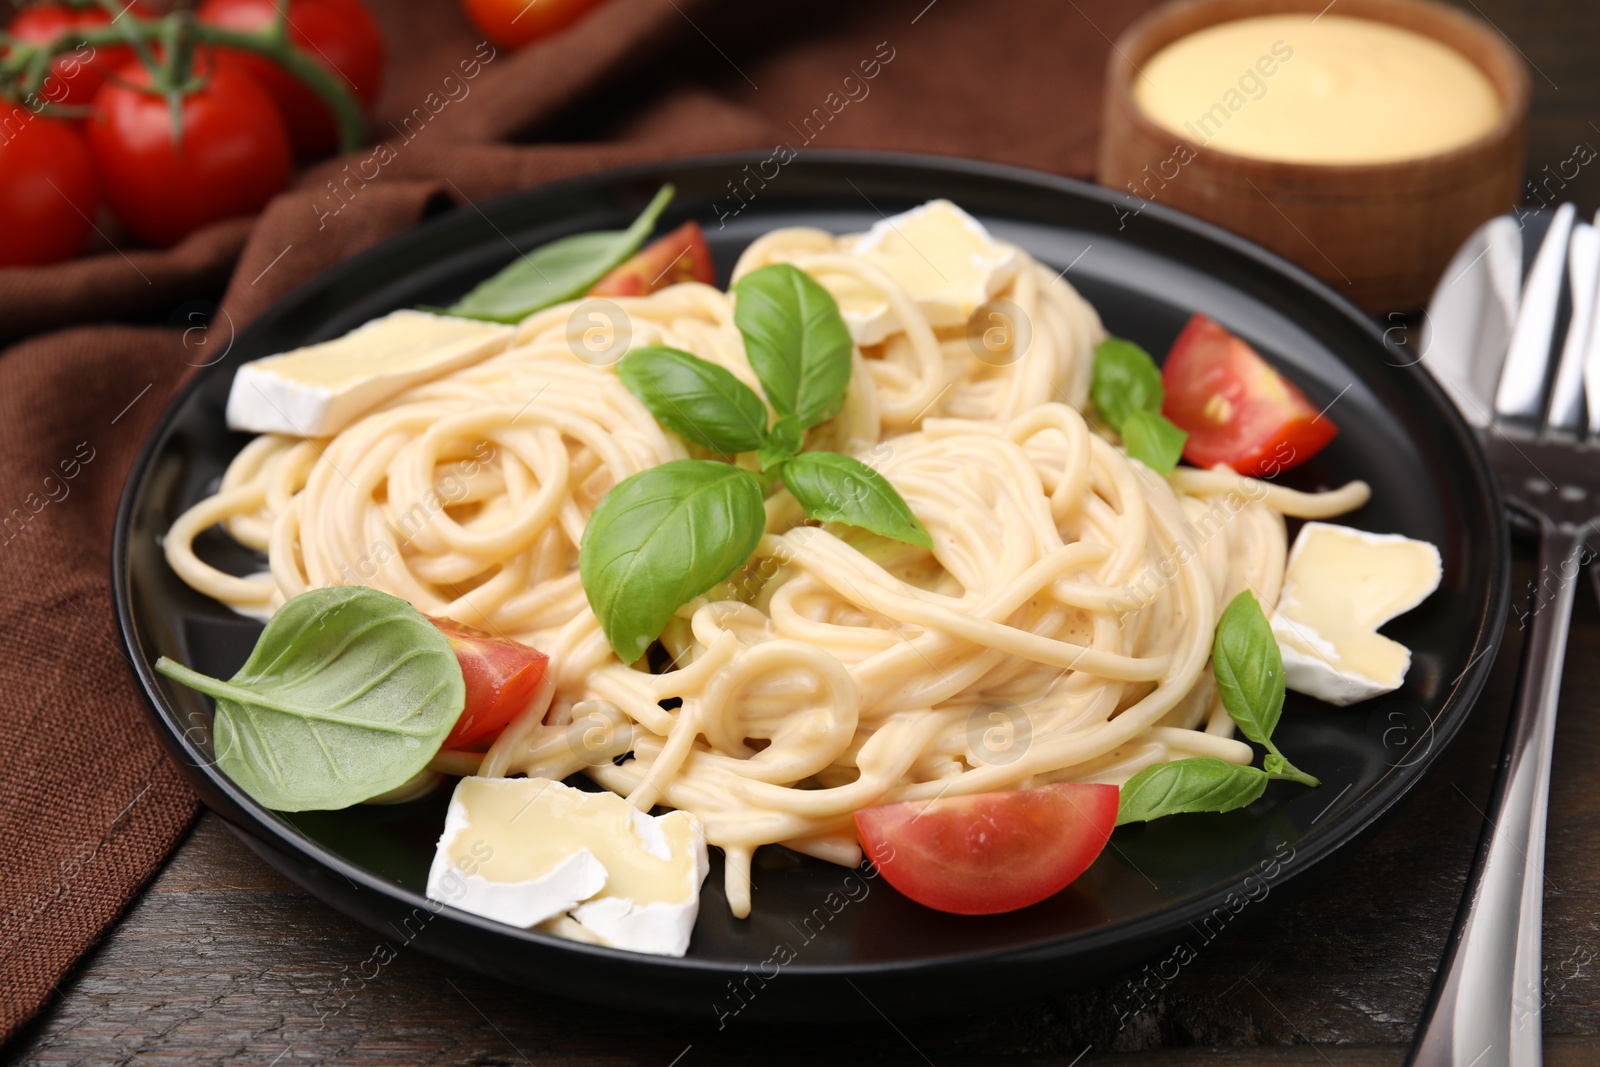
<point>1543,441</point>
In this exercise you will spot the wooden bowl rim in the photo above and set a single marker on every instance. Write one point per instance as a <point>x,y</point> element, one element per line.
<point>1516,93</point>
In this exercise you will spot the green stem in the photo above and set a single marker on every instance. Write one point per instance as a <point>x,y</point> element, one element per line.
<point>1286,772</point>
<point>1291,773</point>
<point>319,79</point>
<point>33,60</point>
<point>130,33</point>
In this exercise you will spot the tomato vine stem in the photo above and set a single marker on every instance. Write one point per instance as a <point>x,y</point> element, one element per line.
<point>31,62</point>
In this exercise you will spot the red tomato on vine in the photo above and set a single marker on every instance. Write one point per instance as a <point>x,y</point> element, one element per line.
<point>339,34</point>
<point>75,76</point>
<point>231,157</point>
<point>47,191</point>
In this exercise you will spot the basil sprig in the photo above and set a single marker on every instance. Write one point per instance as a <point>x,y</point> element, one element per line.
<point>561,270</point>
<point>665,535</point>
<point>1127,392</point>
<point>348,693</point>
<point>1249,669</point>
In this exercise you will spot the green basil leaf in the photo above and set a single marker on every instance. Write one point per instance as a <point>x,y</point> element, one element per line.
<point>1125,379</point>
<point>1153,440</point>
<point>348,693</point>
<point>561,270</point>
<point>835,488</point>
<point>796,341</point>
<point>1249,668</point>
<point>695,398</point>
<point>661,538</point>
<point>1204,783</point>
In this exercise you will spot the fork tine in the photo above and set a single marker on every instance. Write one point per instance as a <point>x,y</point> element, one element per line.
<point>1591,370</point>
<point>1583,273</point>
<point>1520,396</point>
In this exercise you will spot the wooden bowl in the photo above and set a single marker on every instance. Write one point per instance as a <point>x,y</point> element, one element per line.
<point>1378,233</point>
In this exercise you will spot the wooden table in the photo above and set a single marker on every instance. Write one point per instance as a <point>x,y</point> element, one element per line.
<point>224,961</point>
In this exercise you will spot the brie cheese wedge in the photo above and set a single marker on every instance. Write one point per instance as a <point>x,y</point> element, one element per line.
<point>320,389</point>
<point>528,850</point>
<point>1339,586</point>
<point>947,262</point>
<point>497,857</point>
<point>652,894</point>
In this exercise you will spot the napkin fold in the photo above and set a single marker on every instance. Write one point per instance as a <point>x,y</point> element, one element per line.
<point>90,805</point>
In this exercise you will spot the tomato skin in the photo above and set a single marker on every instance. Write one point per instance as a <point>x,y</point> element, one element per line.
<point>47,191</point>
<point>74,79</point>
<point>514,23</point>
<point>992,852</point>
<point>233,159</point>
<point>501,676</point>
<point>1235,407</point>
<point>680,256</point>
<point>340,34</point>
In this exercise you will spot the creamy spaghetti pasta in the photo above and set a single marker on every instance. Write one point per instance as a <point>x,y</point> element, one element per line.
<point>1059,630</point>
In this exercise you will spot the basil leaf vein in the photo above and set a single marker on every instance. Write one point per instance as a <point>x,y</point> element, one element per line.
<point>837,488</point>
<point>661,538</point>
<point>795,340</point>
<point>348,693</point>
<point>561,270</point>
<point>1203,783</point>
<point>695,398</point>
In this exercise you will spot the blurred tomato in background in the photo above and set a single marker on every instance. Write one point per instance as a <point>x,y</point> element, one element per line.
<point>47,191</point>
<point>78,74</point>
<point>339,34</point>
<point>233,156</point>
<point>194,126</point>
<point>514,23</point>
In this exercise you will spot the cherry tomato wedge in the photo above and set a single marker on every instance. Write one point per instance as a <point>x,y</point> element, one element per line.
<point>993,852</point>
<point>77,75</point>
<point>514,23</point>
<point>47,190</point>
<point>339,34</point>
<point>234,155</point>
<point>1236,409</point>
<point>501,677</point>
<point>680,256</point>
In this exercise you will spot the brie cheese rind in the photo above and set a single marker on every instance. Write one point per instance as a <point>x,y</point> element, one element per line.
<point>1339,586</point>
<point>527,851</point>
<point>320,389</point>
<point>652,909</point>
<point>945,260</point>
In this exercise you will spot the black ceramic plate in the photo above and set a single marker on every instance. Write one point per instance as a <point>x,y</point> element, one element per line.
<point>1145,274</point>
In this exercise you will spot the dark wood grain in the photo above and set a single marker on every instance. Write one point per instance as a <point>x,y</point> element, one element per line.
<point>223,961</point>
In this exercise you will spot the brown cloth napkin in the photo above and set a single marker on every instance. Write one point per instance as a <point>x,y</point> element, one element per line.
<point>89,804</point>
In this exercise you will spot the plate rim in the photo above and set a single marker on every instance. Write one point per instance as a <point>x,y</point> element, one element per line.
<point>276,833</point>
